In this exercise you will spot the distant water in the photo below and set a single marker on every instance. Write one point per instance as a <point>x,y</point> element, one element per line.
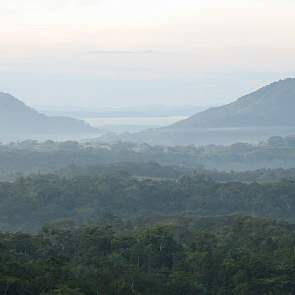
<point>132,124</point>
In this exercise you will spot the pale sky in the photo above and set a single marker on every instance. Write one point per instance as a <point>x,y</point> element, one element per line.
<point>108,53</point>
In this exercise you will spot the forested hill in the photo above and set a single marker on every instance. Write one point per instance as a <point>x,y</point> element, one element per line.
<point>18,118</point>
<point>272,106</point>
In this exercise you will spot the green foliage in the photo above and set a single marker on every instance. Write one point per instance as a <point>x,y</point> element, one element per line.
<point>232,256</point>
<point>64,290</point>
<point>29,203</point>
<point>34,157</point>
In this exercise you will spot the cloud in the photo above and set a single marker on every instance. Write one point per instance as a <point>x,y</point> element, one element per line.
<point>121,52</point>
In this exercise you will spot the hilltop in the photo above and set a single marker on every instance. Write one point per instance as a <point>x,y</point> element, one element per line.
<point>270,106</point>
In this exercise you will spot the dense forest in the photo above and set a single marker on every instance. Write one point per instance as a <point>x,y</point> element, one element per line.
<point>32,157</point>
<point>120,219</point>
<point>28,203</point>
<point>225,256</point>
<point>153,170</point>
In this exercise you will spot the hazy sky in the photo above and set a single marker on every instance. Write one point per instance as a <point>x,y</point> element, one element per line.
<point>138,52</point>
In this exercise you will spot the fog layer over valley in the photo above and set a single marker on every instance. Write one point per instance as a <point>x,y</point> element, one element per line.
<point>34,157</point>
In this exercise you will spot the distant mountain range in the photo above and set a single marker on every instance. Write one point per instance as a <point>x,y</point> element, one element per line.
<point>18,118</point>
<point>270,106</point>
<point>266,112</point>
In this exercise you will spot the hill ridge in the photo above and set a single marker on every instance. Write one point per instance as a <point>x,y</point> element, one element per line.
<point>271,105</point>
<point>16,117</point>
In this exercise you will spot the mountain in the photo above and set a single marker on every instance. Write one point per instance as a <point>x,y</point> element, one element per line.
<point>18,118</point>
<point>270,106</point>
<point>257,116</point>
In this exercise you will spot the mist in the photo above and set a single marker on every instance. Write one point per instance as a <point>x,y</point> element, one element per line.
<point>147,147</point>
